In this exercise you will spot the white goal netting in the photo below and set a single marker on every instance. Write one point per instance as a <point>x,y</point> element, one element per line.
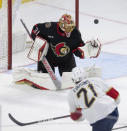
<point>3,37</point>
<point>18,38</point>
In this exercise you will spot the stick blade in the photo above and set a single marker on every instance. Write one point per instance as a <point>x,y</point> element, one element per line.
<point>15,121</point>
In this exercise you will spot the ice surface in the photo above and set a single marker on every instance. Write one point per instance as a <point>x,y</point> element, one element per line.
<point>28,104</point>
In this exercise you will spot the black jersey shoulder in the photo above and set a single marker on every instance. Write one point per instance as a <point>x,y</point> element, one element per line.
<point>46,25</point>
<point>77,36</point>
<point>45,29</point>
<point>76,32</point>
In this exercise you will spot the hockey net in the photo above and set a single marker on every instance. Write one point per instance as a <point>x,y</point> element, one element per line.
<point>8,38</point>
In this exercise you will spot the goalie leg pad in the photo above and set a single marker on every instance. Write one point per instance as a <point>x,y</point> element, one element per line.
<point>93,72</point>
<point>20,73</point>
<point>32,77</point>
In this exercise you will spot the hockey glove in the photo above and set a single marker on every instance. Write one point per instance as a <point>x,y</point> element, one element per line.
<point>76,115</point>
<point>79,53</point>
<point>92,49</point>
<point>114,94</point>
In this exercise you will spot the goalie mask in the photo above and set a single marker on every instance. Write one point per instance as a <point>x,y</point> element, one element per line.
<point>66,23</point>
<point>77,74</point>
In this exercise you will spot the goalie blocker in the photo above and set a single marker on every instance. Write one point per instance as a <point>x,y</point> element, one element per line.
<point>38,49</point>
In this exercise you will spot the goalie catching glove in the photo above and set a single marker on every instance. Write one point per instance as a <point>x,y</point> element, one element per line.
<point>92,48</point>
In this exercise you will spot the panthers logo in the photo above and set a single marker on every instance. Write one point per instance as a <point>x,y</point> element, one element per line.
<point>60,49</point>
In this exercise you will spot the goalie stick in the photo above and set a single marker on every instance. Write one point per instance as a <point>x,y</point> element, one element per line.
<point>45,62</point>
<point>35,122</point>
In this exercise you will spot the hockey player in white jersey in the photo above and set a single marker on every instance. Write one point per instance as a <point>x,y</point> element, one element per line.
<point>92,99</point>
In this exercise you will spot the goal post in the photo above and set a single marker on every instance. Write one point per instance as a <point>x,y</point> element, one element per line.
<point>9,8</point>
<point>77,13</point>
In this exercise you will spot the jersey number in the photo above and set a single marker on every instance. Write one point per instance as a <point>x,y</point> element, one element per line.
<point>88,102</point>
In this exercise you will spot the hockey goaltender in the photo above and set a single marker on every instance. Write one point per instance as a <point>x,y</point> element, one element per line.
<point>57,42</point>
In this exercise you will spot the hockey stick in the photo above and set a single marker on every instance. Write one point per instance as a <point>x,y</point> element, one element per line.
<point>46,120</point>
<point>35,122</point>
<point>119,127</point>
<point>24,25</point>
<point>45,62</point>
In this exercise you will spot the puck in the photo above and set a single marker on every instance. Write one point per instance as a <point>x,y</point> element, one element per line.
<point>96,21</point>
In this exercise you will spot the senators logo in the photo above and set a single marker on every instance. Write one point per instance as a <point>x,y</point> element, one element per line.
<point>60,49</point>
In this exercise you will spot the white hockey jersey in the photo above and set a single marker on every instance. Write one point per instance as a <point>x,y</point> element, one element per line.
<point>90,95</point>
